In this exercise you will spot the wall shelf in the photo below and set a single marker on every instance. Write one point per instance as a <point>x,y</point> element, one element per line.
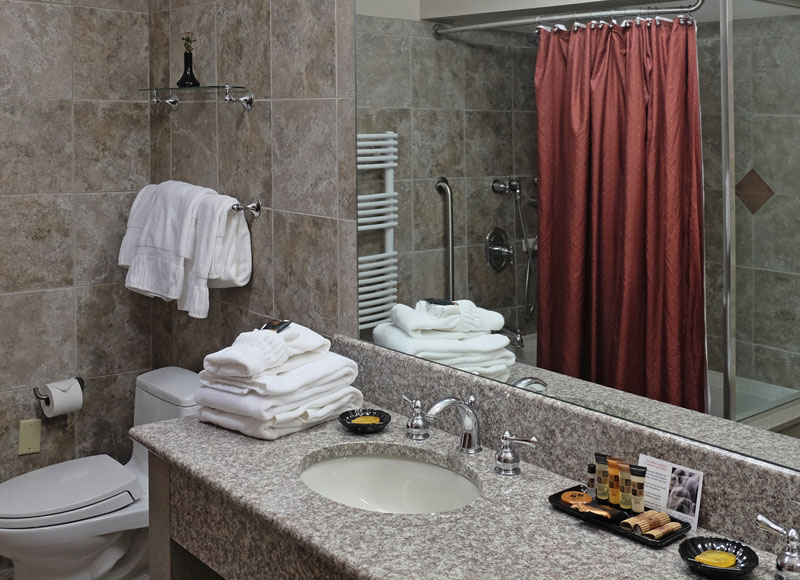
<point>169,95</point>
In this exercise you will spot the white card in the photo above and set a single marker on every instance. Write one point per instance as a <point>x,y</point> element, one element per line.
<point>672,488</point>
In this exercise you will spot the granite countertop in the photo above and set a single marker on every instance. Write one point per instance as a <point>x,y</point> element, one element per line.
<point>509,532</point>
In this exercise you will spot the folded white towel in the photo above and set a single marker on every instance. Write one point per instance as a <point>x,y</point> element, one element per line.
<point>327,369</point>
<point>391,336</point>
<point>213,216</point>
<point>485,355</point>
<point>137,218</point>
<point>278,408</point>
<point>167,239</point>
<point>273,429</point>
<point>267,352</point>
<point>462,320</point>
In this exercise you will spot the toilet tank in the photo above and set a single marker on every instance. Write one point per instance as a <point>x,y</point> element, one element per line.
<point>166,393</point>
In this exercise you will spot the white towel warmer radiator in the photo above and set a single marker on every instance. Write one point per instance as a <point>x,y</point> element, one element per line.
<point>377,273</point>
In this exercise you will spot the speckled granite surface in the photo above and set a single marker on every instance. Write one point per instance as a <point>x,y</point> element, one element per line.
<point>736,488</point>
<point>257,509</point>
<point>758,443</point>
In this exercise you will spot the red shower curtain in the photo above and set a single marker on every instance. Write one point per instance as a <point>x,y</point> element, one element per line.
<point>620,210</point>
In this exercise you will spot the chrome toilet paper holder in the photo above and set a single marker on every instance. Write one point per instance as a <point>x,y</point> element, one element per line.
<point>40,397</point>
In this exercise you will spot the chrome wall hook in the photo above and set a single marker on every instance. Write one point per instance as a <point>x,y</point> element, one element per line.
<point>254,208</point>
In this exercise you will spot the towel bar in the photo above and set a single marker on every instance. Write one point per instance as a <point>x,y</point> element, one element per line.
<point>254,208</point>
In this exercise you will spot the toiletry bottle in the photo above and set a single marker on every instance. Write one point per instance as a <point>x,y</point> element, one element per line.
<point>625,485</point>
<point>590,480</point>
<point>601,463</point>
<point>613,480</point>
<point>637,488</point>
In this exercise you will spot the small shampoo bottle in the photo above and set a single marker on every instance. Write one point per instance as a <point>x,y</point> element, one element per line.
<point>591,480</point>
<point>601,465</point>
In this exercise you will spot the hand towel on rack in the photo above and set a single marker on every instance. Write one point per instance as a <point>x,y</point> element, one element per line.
<point>271,408</point>
<point>463,317</point>
<point>137,218</point>
<point>331,367</point>
<point>167,239</point>
<point>295,346</point>
<point>232,262</point>
<point>213,214</point>
<point>274,429</point>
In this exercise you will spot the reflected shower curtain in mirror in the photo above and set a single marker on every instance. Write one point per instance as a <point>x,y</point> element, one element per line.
<point>621,204</point>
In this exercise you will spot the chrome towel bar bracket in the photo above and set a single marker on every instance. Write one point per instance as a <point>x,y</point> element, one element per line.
<point>254,208</point>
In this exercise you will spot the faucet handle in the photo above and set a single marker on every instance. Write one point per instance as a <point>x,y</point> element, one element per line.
<point>766,524</point>
<point>506,460</point>
<point>417,426</point>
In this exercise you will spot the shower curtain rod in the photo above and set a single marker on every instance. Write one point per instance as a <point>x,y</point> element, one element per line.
<point>441,30</point>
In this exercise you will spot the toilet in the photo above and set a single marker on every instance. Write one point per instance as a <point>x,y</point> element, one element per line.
<point>86,519</point>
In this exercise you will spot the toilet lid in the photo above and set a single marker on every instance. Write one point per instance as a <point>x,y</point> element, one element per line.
<point>67,492</point>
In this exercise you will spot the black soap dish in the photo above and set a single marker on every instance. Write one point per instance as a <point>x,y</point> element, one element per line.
<point>348,417</point>
<point>746,558</point>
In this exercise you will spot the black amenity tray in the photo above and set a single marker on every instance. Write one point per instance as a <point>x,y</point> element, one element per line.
<point>613,527</point>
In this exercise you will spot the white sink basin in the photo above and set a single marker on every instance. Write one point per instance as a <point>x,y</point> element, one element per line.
<point>383,483</point>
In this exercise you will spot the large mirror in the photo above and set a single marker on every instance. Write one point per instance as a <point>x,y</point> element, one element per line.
<point>465,109</point>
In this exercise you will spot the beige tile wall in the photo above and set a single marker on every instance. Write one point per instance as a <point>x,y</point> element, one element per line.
<point>294,151</point>
<point>74,149</point>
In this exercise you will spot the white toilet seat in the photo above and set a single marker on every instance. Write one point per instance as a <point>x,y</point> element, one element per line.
<point>67,492</point>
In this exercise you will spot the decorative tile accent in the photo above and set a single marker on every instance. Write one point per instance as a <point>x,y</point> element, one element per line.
<point>753,191</point>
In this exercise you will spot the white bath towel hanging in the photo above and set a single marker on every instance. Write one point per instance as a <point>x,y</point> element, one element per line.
<point>137,218</point>
<point>166,241</point>
<point>213,217</point>
<point>232,261</point>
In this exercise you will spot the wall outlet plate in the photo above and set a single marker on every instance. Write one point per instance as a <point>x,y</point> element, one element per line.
<point>30,436</point>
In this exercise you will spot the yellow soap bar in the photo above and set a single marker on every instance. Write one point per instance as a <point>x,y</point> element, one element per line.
<point>716,558</point>
<point>366,419</point>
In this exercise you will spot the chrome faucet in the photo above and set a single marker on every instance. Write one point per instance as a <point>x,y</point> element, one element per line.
<point>471,431</point>
<point>514,336</point>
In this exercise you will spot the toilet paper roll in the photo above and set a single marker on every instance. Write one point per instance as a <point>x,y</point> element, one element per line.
<point>62,397</point>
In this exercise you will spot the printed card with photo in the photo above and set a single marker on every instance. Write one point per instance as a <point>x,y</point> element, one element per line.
<point>672,488</point>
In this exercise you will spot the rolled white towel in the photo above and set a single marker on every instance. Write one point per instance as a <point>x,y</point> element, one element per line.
<point>330,368</point>
<point>273,429</point>
<point>252,353</point>
<point>275,408</point>
<point>462,319</point>
<point>268,352</point>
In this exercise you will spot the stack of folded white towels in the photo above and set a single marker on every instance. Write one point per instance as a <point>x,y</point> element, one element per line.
<point>269,384</point>
<point>458,334</point>
<point>182,240</point>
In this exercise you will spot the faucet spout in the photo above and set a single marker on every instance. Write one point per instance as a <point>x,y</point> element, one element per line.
<point>471,432</point>
<point>514,336</point>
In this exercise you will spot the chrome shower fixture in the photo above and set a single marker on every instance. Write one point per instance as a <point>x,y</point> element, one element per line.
<point>512,186</point>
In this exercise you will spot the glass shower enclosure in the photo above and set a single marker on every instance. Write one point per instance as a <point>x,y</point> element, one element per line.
<point>750,98</point>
